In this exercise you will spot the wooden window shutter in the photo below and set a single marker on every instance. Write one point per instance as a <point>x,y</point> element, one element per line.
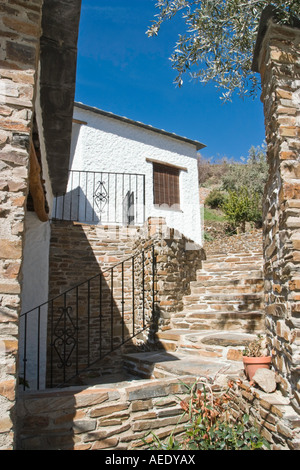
<point>166,185</point>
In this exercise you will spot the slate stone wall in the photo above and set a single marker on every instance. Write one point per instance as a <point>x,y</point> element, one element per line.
<point>102,418</point>
<point>271,413</point>
<point>81,261</point>
<point>19,44</point>
<point>280,72</point>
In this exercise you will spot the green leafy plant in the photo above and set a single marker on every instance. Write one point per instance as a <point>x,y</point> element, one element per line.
<point>215,199</point>
<point>210,425</point>
<point>213,215</point>
<point>242,206</point>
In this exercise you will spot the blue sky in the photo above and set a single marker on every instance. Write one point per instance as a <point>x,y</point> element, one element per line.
<point>123,71</point>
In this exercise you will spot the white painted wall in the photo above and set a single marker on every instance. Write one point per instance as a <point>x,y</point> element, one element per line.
<point>35,271</point>
<point>35,279</point>
<point>110,145</point>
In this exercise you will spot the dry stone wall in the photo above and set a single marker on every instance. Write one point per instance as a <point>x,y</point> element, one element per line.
<point>79,251</point>
<point>20,32</point>
<point>110,417</point>
<point>271,413</point>
<point>280,71</point>
<point>103,417</point>
<point>91,284</point>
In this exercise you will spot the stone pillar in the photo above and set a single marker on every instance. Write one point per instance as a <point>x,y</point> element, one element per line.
<point>19,51</point>
<point>279,65</point>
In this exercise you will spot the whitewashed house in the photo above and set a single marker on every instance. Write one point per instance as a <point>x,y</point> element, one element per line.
<point>123,171</point>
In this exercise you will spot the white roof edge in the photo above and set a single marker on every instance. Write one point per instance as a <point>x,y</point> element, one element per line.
<point>93,109</point>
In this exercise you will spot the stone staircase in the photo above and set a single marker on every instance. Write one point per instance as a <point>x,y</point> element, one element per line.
<point>228,294</point>
<point>223,312</point>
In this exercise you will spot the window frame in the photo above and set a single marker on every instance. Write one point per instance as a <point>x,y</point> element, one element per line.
<point>166,186</point>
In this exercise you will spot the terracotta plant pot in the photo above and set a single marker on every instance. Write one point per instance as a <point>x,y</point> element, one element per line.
<point>251,364</point>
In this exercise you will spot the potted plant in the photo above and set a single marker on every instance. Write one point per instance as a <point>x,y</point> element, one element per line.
<point>256,356</point>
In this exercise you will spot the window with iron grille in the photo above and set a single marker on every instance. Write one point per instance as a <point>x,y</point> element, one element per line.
<point>166,186</point>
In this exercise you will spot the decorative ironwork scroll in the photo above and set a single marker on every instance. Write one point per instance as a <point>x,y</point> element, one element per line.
<point>101,196</point>
<point>65,341</point>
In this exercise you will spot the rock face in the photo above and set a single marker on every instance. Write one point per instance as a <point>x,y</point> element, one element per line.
<point>265,379</point>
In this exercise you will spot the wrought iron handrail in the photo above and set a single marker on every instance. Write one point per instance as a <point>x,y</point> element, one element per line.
<point>101,197</point>
<point>67,334</point>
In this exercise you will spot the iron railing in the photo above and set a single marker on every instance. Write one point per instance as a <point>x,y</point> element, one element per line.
<point>102,198</point>
<point>66,335</point>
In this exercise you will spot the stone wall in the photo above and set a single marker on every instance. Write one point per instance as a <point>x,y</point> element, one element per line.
<point>280,72</point>
<point>120,416</point>
<point>103,417</point>
<point>271,413</point>
<point>19,41</point>
<point>78,252</point>
<point>94,265</point>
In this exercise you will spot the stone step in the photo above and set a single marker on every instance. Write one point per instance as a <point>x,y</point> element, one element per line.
<point>258,254</point>
<point>234,288</point>
<point>228,293</point>
<point>222,313</point>
<point>210,314</point>
<point>209,282</point>
<point>214,307</point>
<point>233,258</point>
<point>222,297</point>
<point>230,254</point>
<point>245,321</point>
<point>217,344</point>
<point>234,275</point>
<point>163,364</point>
<point>229,268</point>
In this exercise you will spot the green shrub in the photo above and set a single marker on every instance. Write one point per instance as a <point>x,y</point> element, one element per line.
<point>215,199</point>
<point>243,206</point>
<point>211,426</point>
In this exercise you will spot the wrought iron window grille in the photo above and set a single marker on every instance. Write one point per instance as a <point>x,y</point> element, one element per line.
<point>102,198</point>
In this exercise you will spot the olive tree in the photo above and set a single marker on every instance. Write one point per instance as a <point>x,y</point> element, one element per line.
<point>251,174</point>
<point>217,44</point>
